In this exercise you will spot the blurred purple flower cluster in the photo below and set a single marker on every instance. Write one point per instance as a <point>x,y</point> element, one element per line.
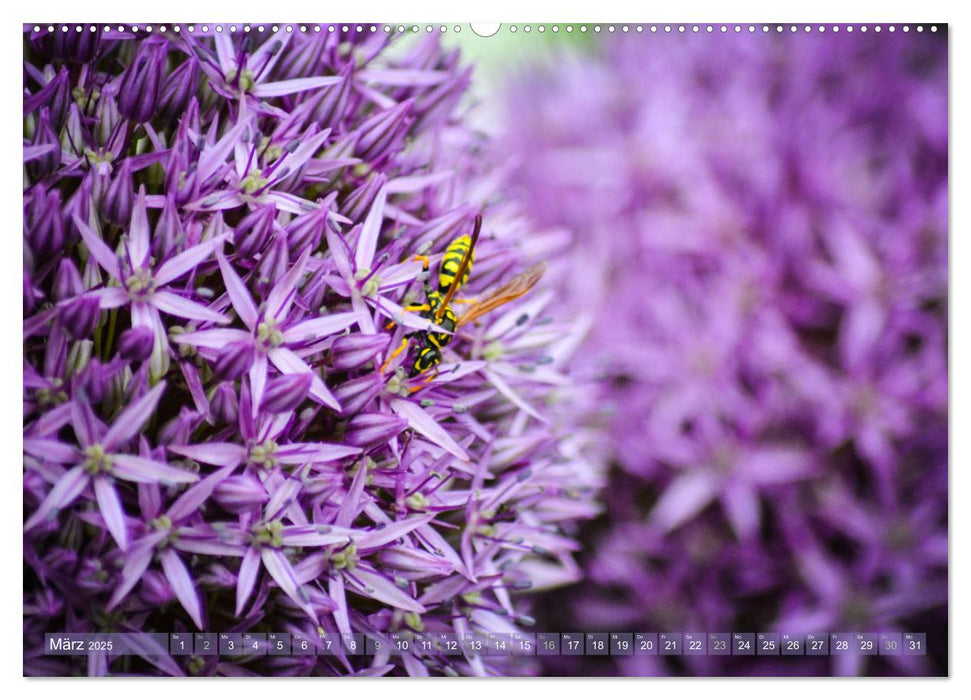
<point>760,232</point>
<point>218,233</point>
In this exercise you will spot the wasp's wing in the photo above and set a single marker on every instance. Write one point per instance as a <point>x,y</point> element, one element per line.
<point>513,289</point>
<point>466,259</point>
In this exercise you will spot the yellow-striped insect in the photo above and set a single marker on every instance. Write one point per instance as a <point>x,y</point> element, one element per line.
<point>453,273</point>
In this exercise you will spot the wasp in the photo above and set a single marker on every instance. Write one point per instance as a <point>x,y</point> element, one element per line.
<point>453,273</point>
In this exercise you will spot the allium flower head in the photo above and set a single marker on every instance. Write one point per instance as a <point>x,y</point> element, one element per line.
<point>760,227</point>
<point>218,234</point>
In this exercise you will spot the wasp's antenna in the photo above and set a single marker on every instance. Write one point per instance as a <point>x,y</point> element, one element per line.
<point>462,268</point>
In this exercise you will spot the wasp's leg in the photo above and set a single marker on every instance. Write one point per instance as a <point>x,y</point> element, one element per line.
<point>426,380</point>
<point>411,307</point>
<point>425,261</point>
<point>400,349</point>
<point>469,300</point>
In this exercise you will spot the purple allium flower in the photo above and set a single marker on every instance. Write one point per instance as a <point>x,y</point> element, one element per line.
<point>216,274</point>
<point>760,234</point>
<point>141,83</point>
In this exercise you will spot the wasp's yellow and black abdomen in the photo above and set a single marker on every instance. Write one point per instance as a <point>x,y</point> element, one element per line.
<point>427,357</point>
<point>452,263</point>
<point>446,319</point>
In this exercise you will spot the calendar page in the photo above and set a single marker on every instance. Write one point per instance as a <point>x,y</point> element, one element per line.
<point>525,349</point>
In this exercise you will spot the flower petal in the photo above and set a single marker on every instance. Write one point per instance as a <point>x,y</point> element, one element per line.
<point>189,502</point>
<point>289,87</point>
<point>214,338</point>
<point>379,537</point>
<point>685,497</point>
<point>184,262</point>
<point>257,381</point>
<point>96,246</point>
<point>316,328</point>
<point>111,297</point>
<point>35,152</point>
<point>313,452</point>
<point>87,427</point>
<point>313,536</point>
<point>246,579</point>
<point>338,593</point>
<point>421,422</point>
<point>110,506</point>
<point>144,470</point>
<point>402,77</point>
<point>350,505</point>
<point>281,498</point>
<point>371,584</point>
<point>137,560</point>
<point>288,362</point>
<point>172,303</point>
<point>215,155</point>
<point>225,52</point>
<point>370,231</point>
<point>139,233</point>
<point>279,568</point>
<point>222,454</point>
<point>178,577</point>
<point>65,491</point>
<point>130,421</point>
<point>281,296</point>
<point>774,465</point>
<point>238,293</point>
<point>513,397</point>
<point>51,450</point>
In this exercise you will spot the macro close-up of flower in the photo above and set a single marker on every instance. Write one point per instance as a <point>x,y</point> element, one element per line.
<point>223,241</point>
<point>422,347</point>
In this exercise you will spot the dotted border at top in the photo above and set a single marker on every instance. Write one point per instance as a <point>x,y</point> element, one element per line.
<point>204,29</point>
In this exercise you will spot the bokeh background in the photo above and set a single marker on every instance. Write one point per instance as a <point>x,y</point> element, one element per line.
<point>759,227</point>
